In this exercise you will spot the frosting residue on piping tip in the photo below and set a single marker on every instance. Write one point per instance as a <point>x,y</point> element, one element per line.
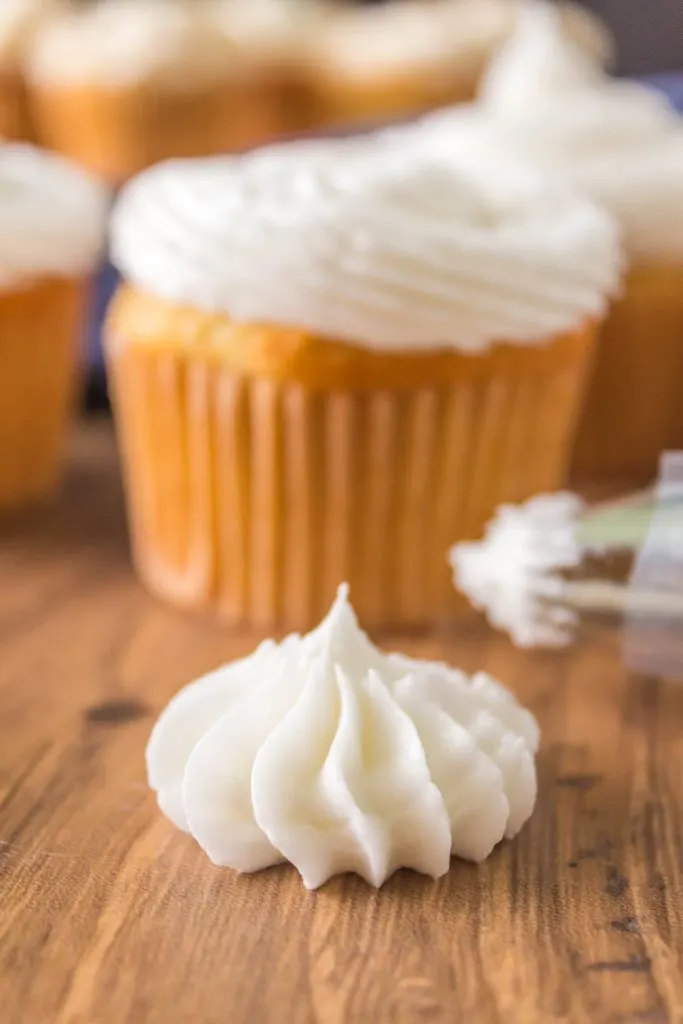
<point>514,574</point>
<point>324,751</point>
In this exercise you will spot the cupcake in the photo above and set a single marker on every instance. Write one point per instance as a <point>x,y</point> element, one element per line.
<point>54,217</point>
<point>622,144</point>
<point>376,63</point>
<point>19,20</point>
<point>275,39</point>
<point>327,363</point>
<point>118,85</point>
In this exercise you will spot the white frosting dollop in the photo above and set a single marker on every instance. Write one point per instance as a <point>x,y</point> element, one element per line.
<point>378,248</point>
<point>52,216</point>
<point>120,43</point>
<point>618,141</point>
<point>326,752</point>
<point>514,574</point>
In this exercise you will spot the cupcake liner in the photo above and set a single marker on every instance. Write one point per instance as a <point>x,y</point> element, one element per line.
<point>257,497</point>
<point>15,122</point>
<point>39,331</point>
<point>634,407</point>
<point>118,133</point>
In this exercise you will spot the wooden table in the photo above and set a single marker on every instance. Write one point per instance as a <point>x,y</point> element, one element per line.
<point>110,916</point>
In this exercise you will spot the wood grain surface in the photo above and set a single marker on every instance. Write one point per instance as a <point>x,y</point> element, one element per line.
<point>110,916</point>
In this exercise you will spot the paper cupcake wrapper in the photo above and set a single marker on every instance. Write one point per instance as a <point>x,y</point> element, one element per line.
<point>634,407</point>
<point>15,121</point>
<point>257,498</point>
<point>39,332</point>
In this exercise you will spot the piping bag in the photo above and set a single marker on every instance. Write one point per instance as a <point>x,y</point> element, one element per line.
<point>652,642</point>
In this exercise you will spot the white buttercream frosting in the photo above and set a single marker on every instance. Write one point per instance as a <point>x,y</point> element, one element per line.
<point>619,141</point>
<point>52,216</point>
<point>378,248</point>
<point>514,574</point>
<point>119,43</point>
<point>326,752</point>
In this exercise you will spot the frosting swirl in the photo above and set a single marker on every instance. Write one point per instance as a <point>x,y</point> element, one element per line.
<point>328,753</point>
<point>618,141</point>
<point>362,244</point>
<point>52,215</point>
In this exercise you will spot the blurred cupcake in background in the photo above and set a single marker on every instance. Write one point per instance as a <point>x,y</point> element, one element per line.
<point>328,363</point>
<point>621,143</point>
<point>19,21</point>
<point>275,39</point>
<point>53,222</point>
<point>393,60</point>
<point>117,85</point>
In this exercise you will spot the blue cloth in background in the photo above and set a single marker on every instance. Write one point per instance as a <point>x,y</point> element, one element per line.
<point>670,84</point>
<point>105,286</point>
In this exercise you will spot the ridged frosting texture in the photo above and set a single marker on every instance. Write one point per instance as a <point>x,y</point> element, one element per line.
<point>381,249</point>
<point>619,141</point>
<point>328,753</point>
<point>515,571</point>
<point>120,43</point>
<point>52,216</point>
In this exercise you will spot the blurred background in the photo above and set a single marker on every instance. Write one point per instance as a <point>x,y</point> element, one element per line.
<point>117,85</point>
<point>373,64</point>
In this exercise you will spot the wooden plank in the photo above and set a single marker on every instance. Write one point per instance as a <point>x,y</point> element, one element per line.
<point>108,915</point>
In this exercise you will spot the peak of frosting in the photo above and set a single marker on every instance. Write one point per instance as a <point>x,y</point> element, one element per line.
<point>52,216</point>
<point>326,752</point>
<point>516,568</point>
<point>367,244</point>
<point>540,57</point>
<point>542,69</point>
<point>619,141</point>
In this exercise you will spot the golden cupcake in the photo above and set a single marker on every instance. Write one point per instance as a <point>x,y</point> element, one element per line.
<point>53,219</point>
<point>19,21</point>
<point>327,364</point>
<point>393,60</point>
<point>622,145</point>
<point>118,85</point>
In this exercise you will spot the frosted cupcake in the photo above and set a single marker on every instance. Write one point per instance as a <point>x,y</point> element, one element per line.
<point>379,62</point>
<point>327,364</point>
<point>53,219</point>
<point>19,21</point>
<point>623,145</point>
<point>118,85</point>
